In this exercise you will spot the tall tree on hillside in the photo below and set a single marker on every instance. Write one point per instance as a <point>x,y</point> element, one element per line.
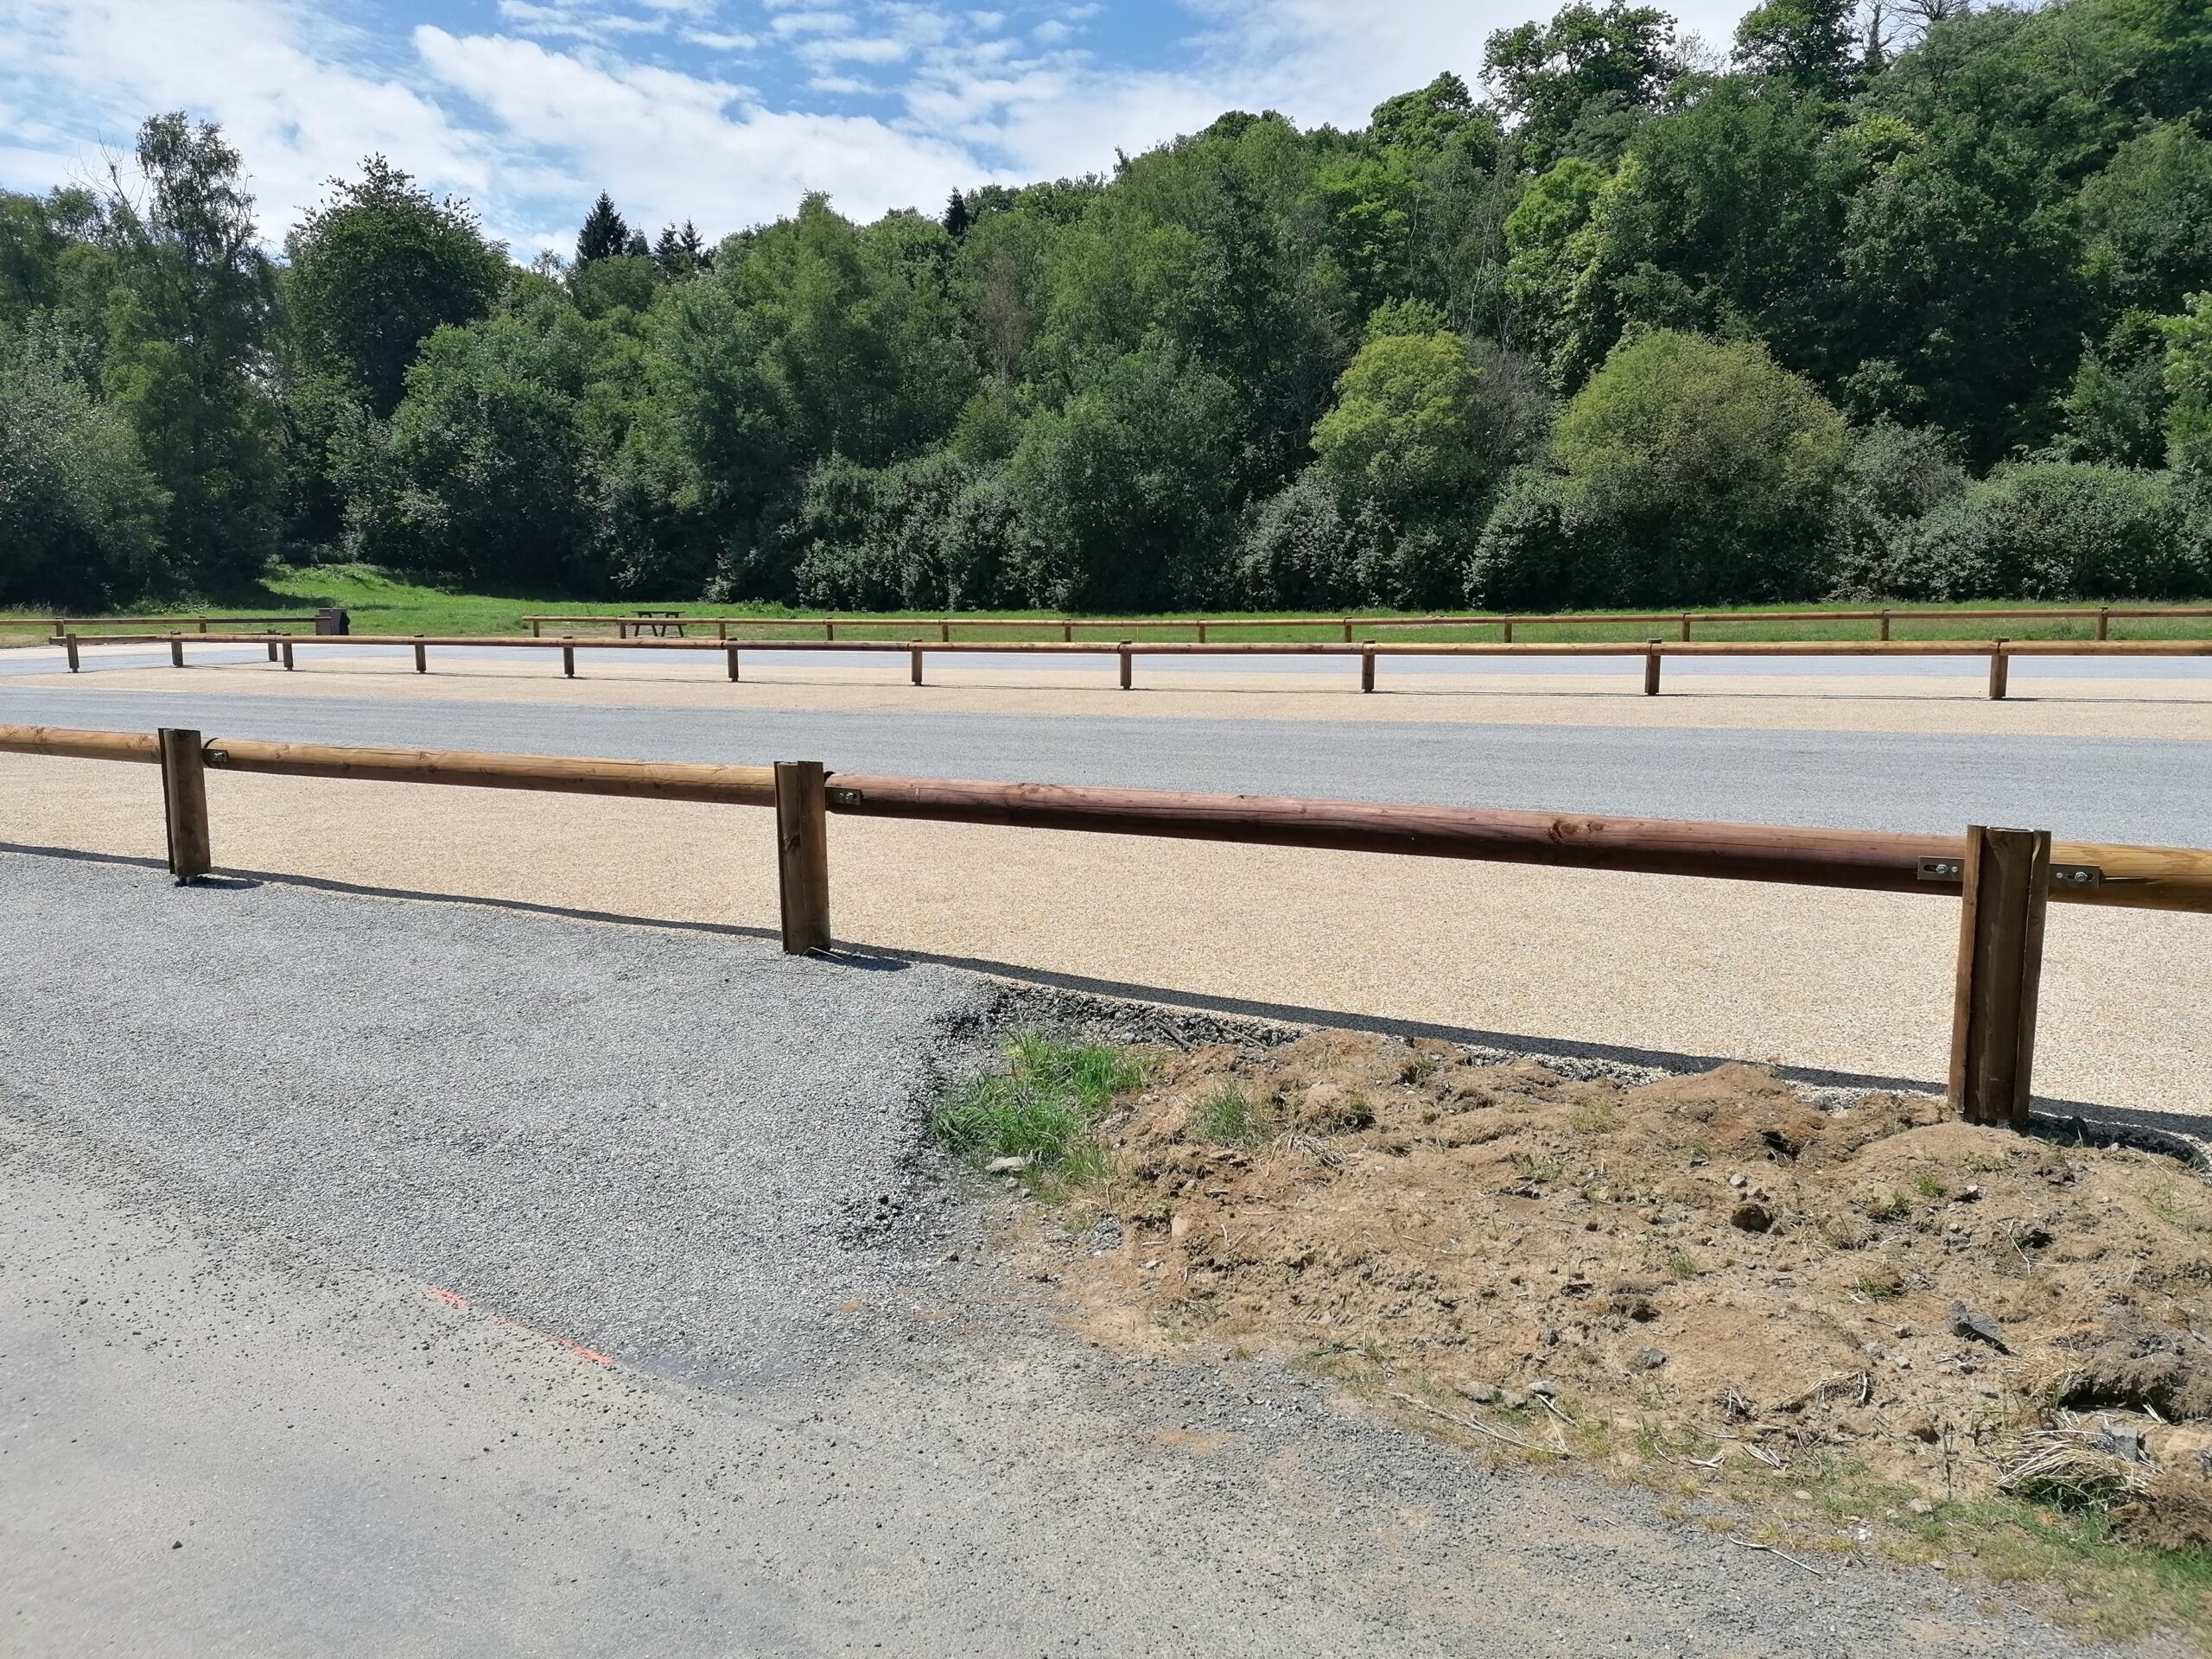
<point>682,254</point>
<point>378,266</point>
<point>188,346</point>
<point>1807,43</point>
<point>957,218</point>
<point>604,235</point>
<point>1575,86</point>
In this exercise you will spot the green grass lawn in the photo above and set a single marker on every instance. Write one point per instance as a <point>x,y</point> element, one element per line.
<point>378,604</point>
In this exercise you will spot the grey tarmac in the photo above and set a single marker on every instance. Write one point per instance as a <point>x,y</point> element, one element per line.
<point>2153,791</point>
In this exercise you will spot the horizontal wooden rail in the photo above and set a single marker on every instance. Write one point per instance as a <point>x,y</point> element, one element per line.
<point>62,624</point>
<point>644,779</point>
<point>2141,878</point>
<point>943,621</point>
<point>73,743</point>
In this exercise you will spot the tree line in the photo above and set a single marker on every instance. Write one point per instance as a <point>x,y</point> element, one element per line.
<point>1906,303</point>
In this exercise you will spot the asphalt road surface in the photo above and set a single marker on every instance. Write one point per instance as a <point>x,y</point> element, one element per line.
<point>380,1278</point>
<point>2144,789</point>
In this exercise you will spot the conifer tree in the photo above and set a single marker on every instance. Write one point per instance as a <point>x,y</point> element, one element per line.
<point>604,235</point>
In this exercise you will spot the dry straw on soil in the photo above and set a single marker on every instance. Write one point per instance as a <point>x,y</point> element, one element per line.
<point>1713,1269</point>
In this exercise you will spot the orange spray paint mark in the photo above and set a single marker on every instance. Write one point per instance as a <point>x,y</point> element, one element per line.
<point>445,1296</point>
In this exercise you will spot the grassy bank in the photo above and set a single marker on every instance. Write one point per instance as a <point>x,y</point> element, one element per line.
<point>380,604</point>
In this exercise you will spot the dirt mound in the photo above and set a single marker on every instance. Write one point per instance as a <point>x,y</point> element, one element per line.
<point>1702,1263</point>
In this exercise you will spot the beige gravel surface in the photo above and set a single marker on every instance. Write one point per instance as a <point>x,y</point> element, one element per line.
<point>2099,706</point>
<point>1855,982</point>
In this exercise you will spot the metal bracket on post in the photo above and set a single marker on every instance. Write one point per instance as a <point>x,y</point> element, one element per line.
<point>803,855</point>
<point>184,803</point>
<point>2005,885</point>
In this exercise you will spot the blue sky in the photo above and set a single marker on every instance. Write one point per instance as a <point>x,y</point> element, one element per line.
<point>719,110</point>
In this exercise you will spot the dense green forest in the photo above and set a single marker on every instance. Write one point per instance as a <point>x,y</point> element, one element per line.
<point>1903,303</point>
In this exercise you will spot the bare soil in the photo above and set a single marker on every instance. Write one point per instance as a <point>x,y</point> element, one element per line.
<point>1713,1269</point>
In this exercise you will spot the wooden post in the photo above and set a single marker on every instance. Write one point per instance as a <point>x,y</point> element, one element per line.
<point>1997,670</point>
<point>1202,632</point>
<point>1347,630</point>
<point>287,654</point>
<point>1367,671</point>
<point>2005,885</point>
<point>272,650</point>
<point>733,662</point>
<point>569,661</point>
<point>2104,621</point>
<point>1125,664</point>
<point>422,657</point>
<point>1508,621</point>
<point>803,855</point>
<point>917,654</point>
<point>1067,630</point>
<point>69,644</point>
<point>177,650</point>
<point>184,802</point>
<point>829,628</point>
<point>203,625</point>
<point>1686,625</point>
<point>534,628</point>
<point>1883,632</point>
<point>722,628</point>
<point>944,629</point>
<point>1651,669</point>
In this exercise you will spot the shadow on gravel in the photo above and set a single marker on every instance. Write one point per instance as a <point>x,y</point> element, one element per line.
<point>2062,1115</point>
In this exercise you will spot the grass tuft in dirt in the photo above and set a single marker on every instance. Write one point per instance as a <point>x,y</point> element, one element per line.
<point>1045,1107</point>
<point>1229,1117</point>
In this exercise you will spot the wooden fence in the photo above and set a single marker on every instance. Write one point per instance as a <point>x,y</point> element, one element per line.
<point>2003,879</point>
<point>943,624</point>
<point>282,649</point>
<point>327,620</point>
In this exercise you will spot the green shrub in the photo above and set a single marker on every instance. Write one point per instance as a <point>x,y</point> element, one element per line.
<point>2059,530</point>
<point>934,533</point>
<point>1690,471</point>
<point>1896,475</point>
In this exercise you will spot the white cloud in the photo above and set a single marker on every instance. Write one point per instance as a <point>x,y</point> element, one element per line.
<point>302,97</point>
<point>533,116</point>
<point>596,121</point>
